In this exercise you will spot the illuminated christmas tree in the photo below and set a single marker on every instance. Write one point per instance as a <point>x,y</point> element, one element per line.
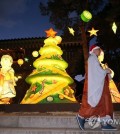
<point>49,81</point>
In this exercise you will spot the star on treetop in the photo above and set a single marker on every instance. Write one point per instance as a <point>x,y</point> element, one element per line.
<point>50,33</point>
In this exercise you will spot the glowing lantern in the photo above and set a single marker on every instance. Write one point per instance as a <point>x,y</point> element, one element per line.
<point>59,39</point>
<point>93,32</point>
<point>51,33</point>
<point>114,27</point>
<point>35,53</point>
<point>26,59</point>
<point>20,61</point>
<point>71,30</point>
<point>86,16</point>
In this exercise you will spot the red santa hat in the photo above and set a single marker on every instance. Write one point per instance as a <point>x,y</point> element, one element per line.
<point>93,47</point>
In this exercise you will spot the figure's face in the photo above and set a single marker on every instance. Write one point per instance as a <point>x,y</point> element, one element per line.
<point>6,63</point>
<point>97,51</point>
<point>101,56</point>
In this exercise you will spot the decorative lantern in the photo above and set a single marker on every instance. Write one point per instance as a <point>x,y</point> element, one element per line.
<point>26,59</point>
<point>20,61</point>
<point>114,27</point>
<point>35,53</point>
<point>50,33</point>
<point>59,39</point>
<point>93,32</point>
<point>86,16</point>
<point>71,30</point>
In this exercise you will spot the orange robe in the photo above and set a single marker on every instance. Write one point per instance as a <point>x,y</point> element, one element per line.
<point>104,106</point>
<point>1,79</point>
<point>115,95</point>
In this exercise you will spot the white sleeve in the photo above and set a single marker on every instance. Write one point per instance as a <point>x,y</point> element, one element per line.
<point>99,68</point>
<point>96,78</point>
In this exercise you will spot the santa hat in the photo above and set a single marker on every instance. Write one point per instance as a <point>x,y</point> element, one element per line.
<point>93,47</point>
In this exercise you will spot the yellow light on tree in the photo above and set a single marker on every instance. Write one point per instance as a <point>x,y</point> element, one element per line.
<point>20,61</point>
<point>35,53</point>
<point>59,39</point>
<point>49,81</point>
<point>86,16</point>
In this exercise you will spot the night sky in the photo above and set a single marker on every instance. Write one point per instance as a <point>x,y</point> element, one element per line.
<point>22,19</point>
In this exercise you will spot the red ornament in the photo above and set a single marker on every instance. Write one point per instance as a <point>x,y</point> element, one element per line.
<point>34,88</point>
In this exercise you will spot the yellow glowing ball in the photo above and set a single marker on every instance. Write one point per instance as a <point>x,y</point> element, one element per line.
<point>59,39</point>
<point>20,61</point>
<point>35,53</point>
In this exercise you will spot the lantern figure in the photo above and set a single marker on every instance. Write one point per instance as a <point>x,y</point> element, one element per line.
<point>35,53</point>
<point>20,62</point>
<point>86,16</point>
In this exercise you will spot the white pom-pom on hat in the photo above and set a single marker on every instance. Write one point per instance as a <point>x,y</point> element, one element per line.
<point>93,47</point>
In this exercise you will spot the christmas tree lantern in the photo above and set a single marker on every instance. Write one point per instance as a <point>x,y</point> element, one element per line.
<point>35,53</point>
<point>86,16</point>
<point>49,81</point>
<point>20,61</point>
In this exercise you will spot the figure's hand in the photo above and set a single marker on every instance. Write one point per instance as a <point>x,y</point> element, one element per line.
<point>19,77</point>
<point>108,70</point>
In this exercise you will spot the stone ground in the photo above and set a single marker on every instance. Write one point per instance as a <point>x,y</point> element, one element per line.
<point>47,123</point>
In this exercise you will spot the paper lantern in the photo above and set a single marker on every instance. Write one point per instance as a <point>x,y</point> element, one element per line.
<point>114,27</point>
<point>71,30</point>
<point>26,59</point>
<point>86,16</point>
<point>59,39</point>
<point>35,53</point>
<point>20,61</point>
<point>93,32</point>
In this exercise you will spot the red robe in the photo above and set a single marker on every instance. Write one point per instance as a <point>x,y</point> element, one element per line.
<point>104,106</point>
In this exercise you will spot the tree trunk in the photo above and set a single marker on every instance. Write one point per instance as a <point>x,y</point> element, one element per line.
<point>84,45</point>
